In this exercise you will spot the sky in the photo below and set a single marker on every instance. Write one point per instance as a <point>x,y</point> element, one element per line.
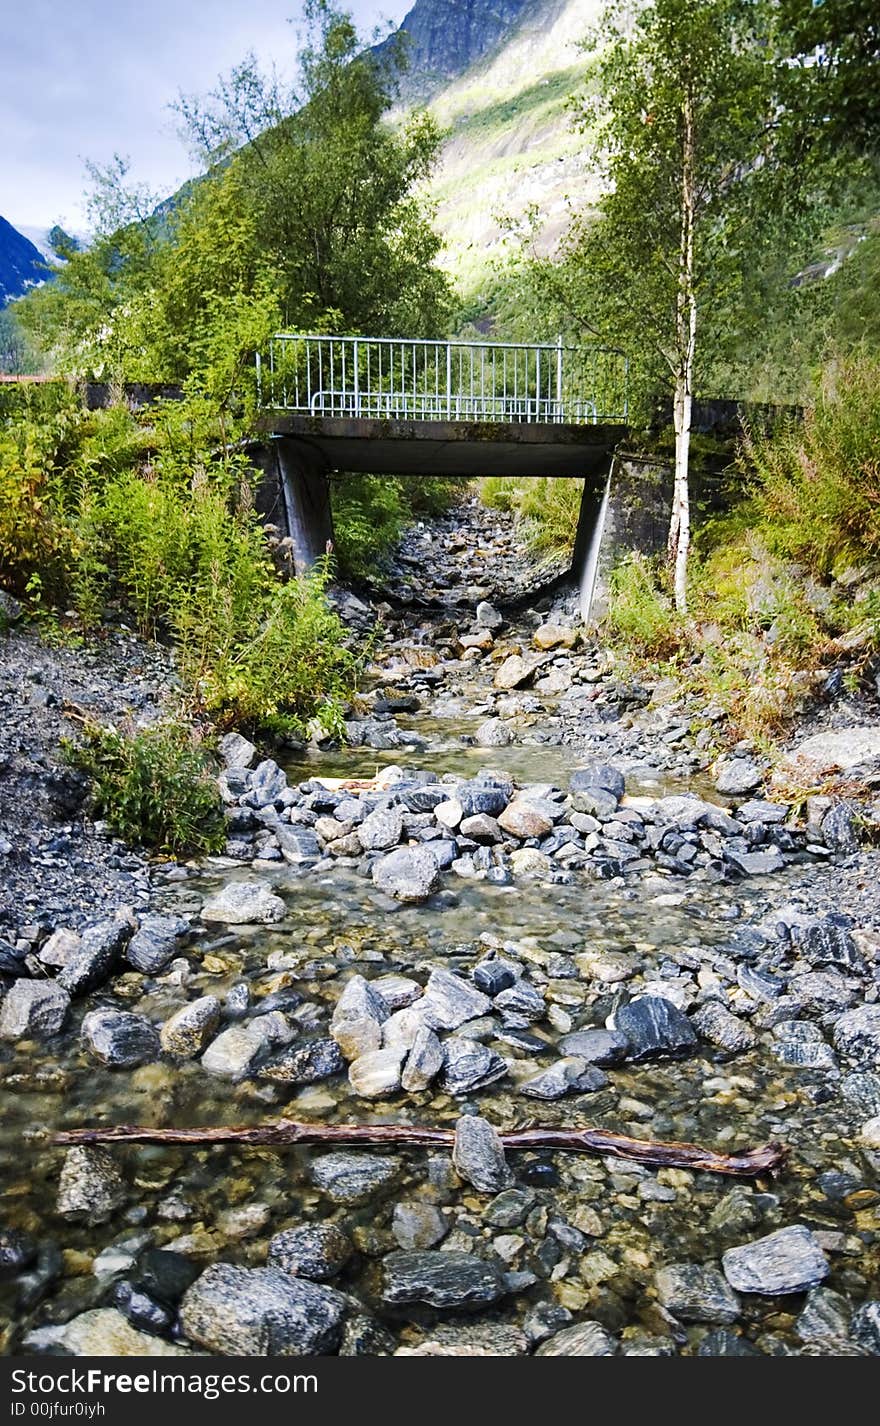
<point>85,79</point>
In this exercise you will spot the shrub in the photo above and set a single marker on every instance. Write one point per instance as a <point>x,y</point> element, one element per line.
<point>155,788</point>
<point>547,507</point>
<point>639,613</point>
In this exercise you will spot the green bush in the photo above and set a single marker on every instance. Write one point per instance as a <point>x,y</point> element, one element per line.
<point>547,507</point>
<point>155,788</point>
<point>639,613</point>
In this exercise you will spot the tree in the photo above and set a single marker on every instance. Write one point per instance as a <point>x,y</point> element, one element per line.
<point>834,89</point>
<point>683,115</point>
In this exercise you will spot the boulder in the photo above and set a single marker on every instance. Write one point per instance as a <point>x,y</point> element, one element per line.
<point>242,903</point>
<point>409,874</point>
<point>100,949</point>
<point>441,1279</point>
<point>261,1312</point>
<point>494,733</point>
<point>449,1001</point>
<point>381,829</point>
<point>738,776</point>
<point>154,943</point>
<point>514,672</point>
<point>33,1008</point>
<point>119,1039</point>
<point>789,1260</point>
<point>523,819</point>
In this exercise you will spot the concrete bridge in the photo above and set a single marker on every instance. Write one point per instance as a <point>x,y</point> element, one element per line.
<point>388,406</point>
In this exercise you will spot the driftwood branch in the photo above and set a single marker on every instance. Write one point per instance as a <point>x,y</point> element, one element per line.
<point>749,1163</point>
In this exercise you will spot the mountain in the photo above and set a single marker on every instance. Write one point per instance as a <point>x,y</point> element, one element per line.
<point>510,142</point>
<point>22,265</point>
<point>445,37</point>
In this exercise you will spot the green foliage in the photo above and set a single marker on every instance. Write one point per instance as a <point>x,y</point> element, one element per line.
<point>817,485</point>
<point>371,511</point>
<point>155,788</point>
<point>640,615</point>
<point>547,507</point>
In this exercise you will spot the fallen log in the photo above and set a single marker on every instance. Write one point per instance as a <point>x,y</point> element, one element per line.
<point>748,1163</point>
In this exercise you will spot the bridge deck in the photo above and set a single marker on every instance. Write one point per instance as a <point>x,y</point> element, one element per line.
<point>450,447</point>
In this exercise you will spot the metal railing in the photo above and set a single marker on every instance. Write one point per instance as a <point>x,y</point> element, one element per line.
<point>417,380</point>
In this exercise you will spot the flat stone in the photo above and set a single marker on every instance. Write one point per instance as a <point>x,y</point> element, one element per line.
<point>120,1039</point>
<point>424,1061</point>
<point>105,1332</point>
<point>825,1317</point>
<point>693,1292</point>
<point>377,1074</point>
<point>242,903</point>
<point>449,1001</point>
<point>726,1031</point>
<point>155,943</point>
<point>528,861</point>
<point>261,1312</point>
<point>396,991</point>
<point>478,1155</point>
<point>857,1034</point>
<point>598,777</point>
<point>470,1066</point>
<point>304,1064</point>
<point>789,1260</point>
<point>417,1226</point>
<point>838,749</point>
<point>738,776</point>
<point>58,949</point>
<point>597,1047</point>
<point>299,845</point>
<point>186,1033</point>
<point>316,1251</point>
<point>514,672</point>
<point>409,874</point>
<point>91,1187</point>
<point>234,1050</point>
<point>33,1008</point>
<point>351,1177</point>
<point>569,1075</point>
<point>441,1279</point>
<point>763,863</point>
<point>653,1026</point>
<point>584,1339</point>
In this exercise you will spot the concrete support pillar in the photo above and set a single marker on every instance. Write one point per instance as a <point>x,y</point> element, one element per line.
<point>304,483</point>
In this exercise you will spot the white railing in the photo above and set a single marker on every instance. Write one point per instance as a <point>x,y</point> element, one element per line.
<point>384,378</point>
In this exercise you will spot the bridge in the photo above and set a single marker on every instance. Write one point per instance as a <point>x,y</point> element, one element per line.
<point>398,406</point>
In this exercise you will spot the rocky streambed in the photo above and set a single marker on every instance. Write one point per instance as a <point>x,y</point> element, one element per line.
<point>498,906</point>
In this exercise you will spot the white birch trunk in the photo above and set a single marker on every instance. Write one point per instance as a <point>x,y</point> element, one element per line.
<point>686,333</point>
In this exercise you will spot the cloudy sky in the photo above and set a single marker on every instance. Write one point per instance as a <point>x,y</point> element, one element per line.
<point>84,79</point>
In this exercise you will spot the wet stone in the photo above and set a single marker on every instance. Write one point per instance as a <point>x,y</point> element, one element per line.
<point>865,1327</point>
<point>91,1188</point>
<point>584,1339</point>
<point>352,1177</point>
<point>186,1033</point>
<point>377,1074</point>
<point>789,1260</point>
<point>478,1155</point>
<point>304,1064</point>
<point>233,1052</point>
<point>857,1035</point>
<point>17,1251</point>
<point>417,1226</point>
<point>726,1031</point>
<point>33,1008</point>
<point>424,1061</point>
<point>652,1027</point>
<point>441,1279</point>
<point>96,958</point>
<point>409,874</point>
<point>243,903</point>
<point>569,1075</point>
<point>449,1001</point>
<point>825,1317</point>
<point>316,1251</point>
<point>261,1312</point>
<point>696,1293</point>
<point>470,1066</point>
<point>726,1344</point>
<point>829,944</point>
<point>119,1039</point>
<point>155,943</point>
<point>138,1308</point>
<point>494,976</point>
<point>522,999</point>
<point>597,1047</point>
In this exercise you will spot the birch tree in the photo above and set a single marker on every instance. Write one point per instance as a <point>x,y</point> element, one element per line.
<point>681,111</point>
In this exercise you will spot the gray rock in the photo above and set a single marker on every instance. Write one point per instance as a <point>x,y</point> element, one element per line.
<point>857,1034</point>
<point>377,1074</point>
<point>756,863</point>
<point>494,733</point>
<point>17,1251</point>
<point>789,1260</point>
<point>409,874</point>
<point>381,829</point>
<point>154,943</point>
<point>120,1039</point>
<point>478,1155</point>
<point>356,1024</point>
<point>242,903</point>
<point>487,616</point>
<point>825,1317</point>
<point>862,1092</point>
<point>424,1062</point>
<point>441,1279</point>
<point>482,828</point>
<point>510,1209</point>
<point>10,608</point>
<point>261,1312</point>
<point>319,1059</point>
<point>99,951</point>
<point>267,783</point>
<point>470,1066</point>
<point>417,1226</point>
<point>299,845</point>
<point>840,828</point>
<point>739,776</point>
<point>715,1023</point>
<point>91,1188</point>
<point>351,1177</point>
<point>601,777</point>
<point>826,943</point>
<point>449,1001</point>
<point>522,999</point>
<point>597,1047</point>
<point>33,1008</point>
<point>186,1033</point>
<point>584,1339</point>
<point>653,1026</point>
<point>494,976</point>
<point>396,991</point>
<point>234,1050</point>
<point>865,1327</point>
<point>236,751</point>
<point>696,1293</point>
<point>568,1075</point>
<point>317,1251</point>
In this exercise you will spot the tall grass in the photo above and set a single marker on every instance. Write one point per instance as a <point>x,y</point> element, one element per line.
<point>546,507</point>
